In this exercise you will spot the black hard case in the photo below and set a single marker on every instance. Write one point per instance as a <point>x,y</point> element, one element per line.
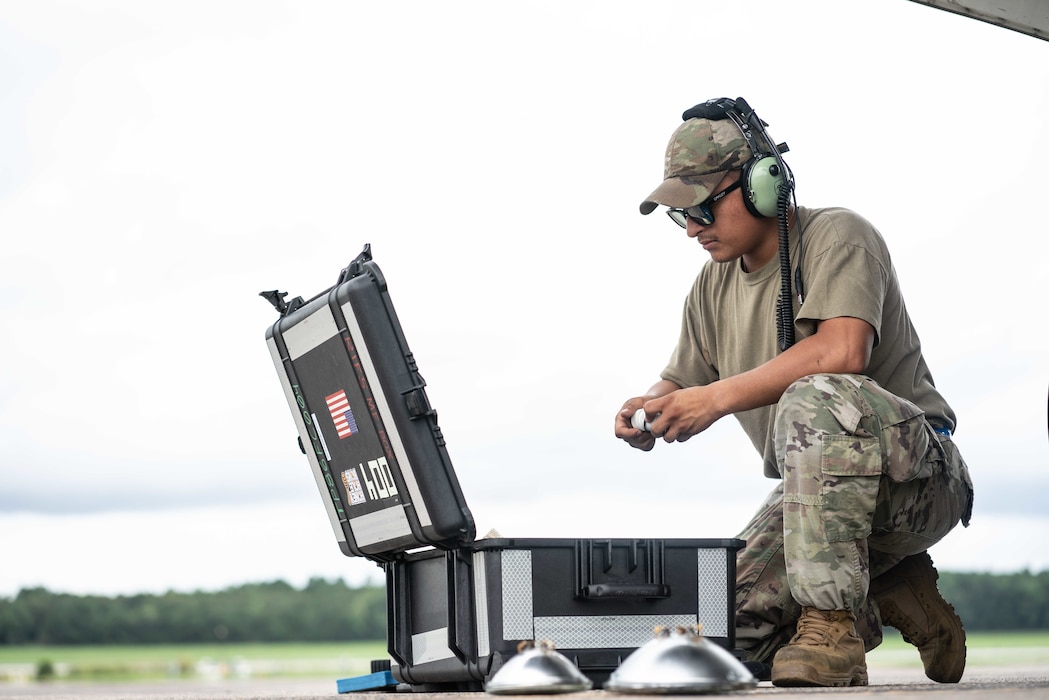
<point>455,617</point>
<point>457,607</point>
<point>388,487</point>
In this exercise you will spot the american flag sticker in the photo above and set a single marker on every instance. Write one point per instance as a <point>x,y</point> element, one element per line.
<point>339,407</point>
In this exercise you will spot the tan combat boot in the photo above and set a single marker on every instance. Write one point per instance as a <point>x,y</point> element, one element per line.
<point>909,600</point>
<point>825,651</point>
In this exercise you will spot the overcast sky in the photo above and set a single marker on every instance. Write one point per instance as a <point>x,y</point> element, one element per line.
<point>165,162</point>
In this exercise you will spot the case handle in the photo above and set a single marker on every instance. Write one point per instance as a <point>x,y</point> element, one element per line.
<point>652,585</point>
<point>626,590</point>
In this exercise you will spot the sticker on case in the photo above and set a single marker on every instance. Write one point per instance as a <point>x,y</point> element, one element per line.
<point>353,487</point>
<point>341,414</point>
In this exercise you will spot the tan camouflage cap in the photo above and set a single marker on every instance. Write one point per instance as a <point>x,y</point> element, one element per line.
<point>699,154</point>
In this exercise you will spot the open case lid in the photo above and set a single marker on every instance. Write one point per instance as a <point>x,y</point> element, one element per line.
<point>364,419</point>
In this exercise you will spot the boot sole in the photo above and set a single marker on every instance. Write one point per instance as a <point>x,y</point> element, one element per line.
<point>802,676</point>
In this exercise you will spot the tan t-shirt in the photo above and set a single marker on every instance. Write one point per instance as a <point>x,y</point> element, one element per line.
<point>729,319</point>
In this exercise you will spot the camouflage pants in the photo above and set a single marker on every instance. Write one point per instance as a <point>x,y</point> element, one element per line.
<point>866,482</point>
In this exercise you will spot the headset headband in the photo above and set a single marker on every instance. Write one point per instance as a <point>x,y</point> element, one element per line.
<point>748,122</point>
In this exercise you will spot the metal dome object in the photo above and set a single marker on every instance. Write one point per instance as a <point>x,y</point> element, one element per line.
<point>537,669</point>
<point>680,661</point>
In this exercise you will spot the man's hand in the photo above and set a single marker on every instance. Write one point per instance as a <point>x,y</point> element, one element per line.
<point>641,439</point>
<point>683,413</point>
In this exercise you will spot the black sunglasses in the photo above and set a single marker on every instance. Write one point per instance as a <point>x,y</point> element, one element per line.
<point>700,213</point>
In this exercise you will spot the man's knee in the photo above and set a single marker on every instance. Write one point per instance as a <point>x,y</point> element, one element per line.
<point>819,403</point>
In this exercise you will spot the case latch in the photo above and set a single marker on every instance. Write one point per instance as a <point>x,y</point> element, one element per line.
<point>418,403</point>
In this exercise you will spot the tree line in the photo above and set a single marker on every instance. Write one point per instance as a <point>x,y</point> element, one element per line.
<point>1005,602</point>
<point>260,612</point>
<point>326,611</point>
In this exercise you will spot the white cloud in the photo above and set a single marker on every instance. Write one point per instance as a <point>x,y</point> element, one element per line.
<point>206,548</point>
<point>167,165</point>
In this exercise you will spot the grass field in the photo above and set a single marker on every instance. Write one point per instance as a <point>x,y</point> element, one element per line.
<point>982,649</point>
<point>334,660</point>
<point>345,660</point>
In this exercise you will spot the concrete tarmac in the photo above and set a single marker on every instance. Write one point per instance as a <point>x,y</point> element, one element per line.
<point>994,682</point>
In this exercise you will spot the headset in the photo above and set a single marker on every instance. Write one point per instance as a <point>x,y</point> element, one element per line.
<point>768,187</point>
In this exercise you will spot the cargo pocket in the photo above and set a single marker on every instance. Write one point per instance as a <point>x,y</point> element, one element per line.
<point>912,451</point>
<point>851,467</point>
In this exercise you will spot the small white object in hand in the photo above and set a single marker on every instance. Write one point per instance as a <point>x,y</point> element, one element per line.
<point>638,422</point>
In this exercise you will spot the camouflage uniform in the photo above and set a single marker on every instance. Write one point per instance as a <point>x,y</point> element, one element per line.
<point>866,481</point>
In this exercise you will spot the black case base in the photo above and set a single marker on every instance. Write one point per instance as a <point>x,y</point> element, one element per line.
<point>455,617</point>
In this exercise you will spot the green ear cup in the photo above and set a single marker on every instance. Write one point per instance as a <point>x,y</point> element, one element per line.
<point>763,180</point>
